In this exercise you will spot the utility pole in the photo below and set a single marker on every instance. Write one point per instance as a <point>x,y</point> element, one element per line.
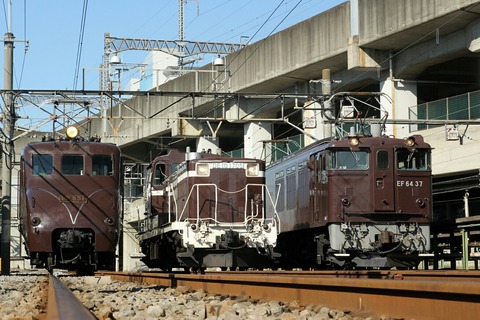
<point>8,121</point>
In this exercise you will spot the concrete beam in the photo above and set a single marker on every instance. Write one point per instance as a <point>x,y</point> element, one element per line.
<point>363,58</point>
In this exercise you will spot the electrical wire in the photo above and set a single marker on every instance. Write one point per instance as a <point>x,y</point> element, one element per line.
<point>80,43</point>
<point>19,82</point>
<point>5,14</point>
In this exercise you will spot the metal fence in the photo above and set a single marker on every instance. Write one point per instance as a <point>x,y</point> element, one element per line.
<point>462,107</point>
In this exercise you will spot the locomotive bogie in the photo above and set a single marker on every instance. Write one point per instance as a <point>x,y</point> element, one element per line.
<point>378,240</point>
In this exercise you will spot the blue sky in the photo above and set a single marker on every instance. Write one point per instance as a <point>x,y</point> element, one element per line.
<point>52,28</point>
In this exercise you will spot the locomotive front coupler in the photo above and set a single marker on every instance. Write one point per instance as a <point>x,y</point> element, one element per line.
<point>231,239</point>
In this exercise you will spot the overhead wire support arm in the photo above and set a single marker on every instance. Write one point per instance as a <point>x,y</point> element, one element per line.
<point>178,48</point>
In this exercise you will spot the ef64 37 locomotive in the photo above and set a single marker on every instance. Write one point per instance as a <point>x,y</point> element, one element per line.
<point>360,201</point>
<point>204,210</point>
<point>70,204</point>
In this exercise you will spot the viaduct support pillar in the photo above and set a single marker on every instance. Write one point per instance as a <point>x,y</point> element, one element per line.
<point>400,96</point>
<point>254,133</point>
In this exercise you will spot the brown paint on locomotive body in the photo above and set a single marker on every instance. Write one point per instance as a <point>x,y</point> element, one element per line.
<point>357,197</point>
<point>210,204</point>
<point>54,200</point>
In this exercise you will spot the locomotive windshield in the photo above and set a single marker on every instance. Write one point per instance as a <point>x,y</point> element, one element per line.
<point>42,164</point>
<point>102,165</point>
<point>72,164</point>
<point>348,160</point>
<point>159,175</point>
<point>413,159</point>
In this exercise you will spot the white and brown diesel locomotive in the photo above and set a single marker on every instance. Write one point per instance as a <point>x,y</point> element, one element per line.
<point>361,201</point>
<point>204,210</point>
<point>70,203</point>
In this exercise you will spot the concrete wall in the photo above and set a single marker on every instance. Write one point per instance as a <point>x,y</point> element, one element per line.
<point>381,18</point>
<point>451,156</point>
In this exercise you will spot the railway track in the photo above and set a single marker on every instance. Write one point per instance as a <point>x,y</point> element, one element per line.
<point>62,303</point>
<point>400,294</point>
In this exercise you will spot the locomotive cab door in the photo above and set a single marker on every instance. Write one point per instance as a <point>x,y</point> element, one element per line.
<point>318,188</point>
<point>383,180</point>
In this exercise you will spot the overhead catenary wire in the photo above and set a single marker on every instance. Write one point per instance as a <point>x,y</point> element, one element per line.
<point>80,43</point>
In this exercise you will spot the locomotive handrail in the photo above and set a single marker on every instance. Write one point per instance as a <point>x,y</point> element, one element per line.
<point>196,188</point>
<point>274,217</point>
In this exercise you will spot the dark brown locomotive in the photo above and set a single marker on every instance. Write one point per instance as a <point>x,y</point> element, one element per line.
<point>204,210</point>
<point>358,201</point>
<point>70,204</point>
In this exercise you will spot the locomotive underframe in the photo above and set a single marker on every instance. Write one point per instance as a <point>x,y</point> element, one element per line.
<point>200,244</point>
<point>74,249</point>
<point>378,244</point>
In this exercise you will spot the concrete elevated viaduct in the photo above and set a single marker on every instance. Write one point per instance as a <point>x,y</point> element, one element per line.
<point>411,51</point>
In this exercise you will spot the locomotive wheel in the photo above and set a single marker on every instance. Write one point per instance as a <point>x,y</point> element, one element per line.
<point>50,264</point>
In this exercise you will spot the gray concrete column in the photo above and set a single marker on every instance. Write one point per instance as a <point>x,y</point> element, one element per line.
<point>254,135</point>
<point>400,96</point>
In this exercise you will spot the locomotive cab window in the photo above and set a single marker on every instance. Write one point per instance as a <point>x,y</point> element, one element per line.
<point>102,165</point>
<point>382,159</point>
<point>42,164</point>
<point>413,159</point>
<point>348,160</point>
<point>159,175</point>
<point>72,164</point>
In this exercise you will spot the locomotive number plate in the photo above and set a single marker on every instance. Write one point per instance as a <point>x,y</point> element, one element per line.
<point>73,198</point>
<point>409,183</point>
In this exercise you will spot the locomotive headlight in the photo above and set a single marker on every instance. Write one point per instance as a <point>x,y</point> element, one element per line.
<point>410,141</point>
<point>420,203</point>
<point>36,221</point>
<point>252,169</point>
<point>354,141</point>
<point>203,169</point>
<point>72,132</point>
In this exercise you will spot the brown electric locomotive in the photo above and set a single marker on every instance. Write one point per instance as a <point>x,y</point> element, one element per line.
<point>204,210</point>
<point>70,204</point>
<point>359,201</point>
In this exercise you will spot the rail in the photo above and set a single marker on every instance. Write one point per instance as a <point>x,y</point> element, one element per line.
<point>437,295</point>
<point>62,303</point>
